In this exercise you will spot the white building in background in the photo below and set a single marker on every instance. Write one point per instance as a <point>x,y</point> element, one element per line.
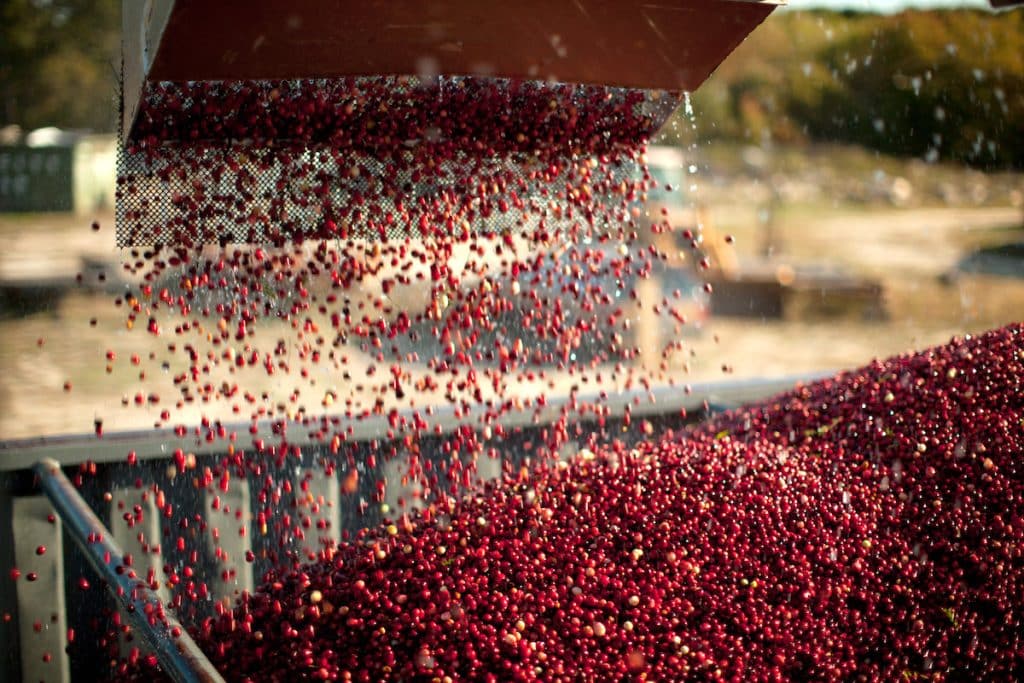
<point>56,170</point>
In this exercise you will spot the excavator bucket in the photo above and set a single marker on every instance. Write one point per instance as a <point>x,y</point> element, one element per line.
<point>235,114</point>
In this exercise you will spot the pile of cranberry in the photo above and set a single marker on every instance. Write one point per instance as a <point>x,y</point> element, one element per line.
<point>866,527</point>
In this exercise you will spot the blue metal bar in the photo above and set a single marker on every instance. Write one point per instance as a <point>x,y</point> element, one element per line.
<point>179,656</point>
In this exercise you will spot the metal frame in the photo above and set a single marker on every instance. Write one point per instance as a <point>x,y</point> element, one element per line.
<point>179,655</point>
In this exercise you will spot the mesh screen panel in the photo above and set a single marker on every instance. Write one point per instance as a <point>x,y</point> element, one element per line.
<point>377,158</point>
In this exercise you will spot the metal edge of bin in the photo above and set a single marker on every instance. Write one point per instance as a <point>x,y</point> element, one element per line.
<point>161,443</point>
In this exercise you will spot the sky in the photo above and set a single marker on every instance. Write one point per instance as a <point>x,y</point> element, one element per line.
<point>884,5</point>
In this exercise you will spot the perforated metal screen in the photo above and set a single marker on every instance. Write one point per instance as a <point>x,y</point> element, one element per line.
<point>378,158</point>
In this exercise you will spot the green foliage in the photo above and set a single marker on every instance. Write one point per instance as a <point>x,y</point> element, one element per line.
<point>937,85</point>
<point>59,63</point>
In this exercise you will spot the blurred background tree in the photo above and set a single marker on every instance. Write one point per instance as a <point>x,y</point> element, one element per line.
<point>940,85</point>
<point>59,63</point>
<point>936,85</point>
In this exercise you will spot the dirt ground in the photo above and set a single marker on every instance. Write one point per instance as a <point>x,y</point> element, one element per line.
<point>907,250</point>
